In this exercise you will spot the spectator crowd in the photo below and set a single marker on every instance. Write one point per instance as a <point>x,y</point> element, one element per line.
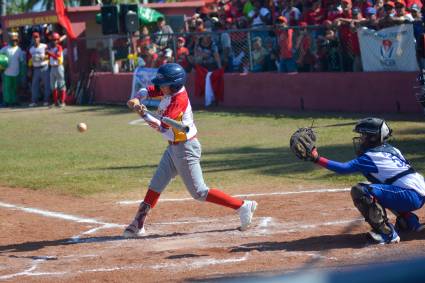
<point>283,35</point>
<point>227,35</point>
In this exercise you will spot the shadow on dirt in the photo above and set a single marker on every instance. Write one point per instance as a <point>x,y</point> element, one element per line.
<point>310,244</point>
<point>322,244</point>
<point>37,245</point>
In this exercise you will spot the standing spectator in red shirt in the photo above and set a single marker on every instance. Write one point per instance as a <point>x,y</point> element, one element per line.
<point>303,47</point>
<point>315,14</point>
<point>182,54</point>
<point>346,35</point>
<point>334,11</point>
<point>284,39</point>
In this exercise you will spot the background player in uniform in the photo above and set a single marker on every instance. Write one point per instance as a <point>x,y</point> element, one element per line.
<point>394,184</point>
<point>57,71</point>
<point>182,156</point>
<point>12,72</point>
<point>39,62</point>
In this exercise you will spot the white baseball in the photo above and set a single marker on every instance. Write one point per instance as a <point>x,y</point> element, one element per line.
<point>82,127</point>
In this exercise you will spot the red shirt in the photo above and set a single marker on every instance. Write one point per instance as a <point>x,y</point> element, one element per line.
<point>181,57</point>
<point>315,17</point>
<point>284,38</point>
<point>349,39</point>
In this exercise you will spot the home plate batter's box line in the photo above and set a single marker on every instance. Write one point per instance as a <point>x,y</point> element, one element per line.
<point>126,202</point>
<point>193,264</point>
<point>263,222</point>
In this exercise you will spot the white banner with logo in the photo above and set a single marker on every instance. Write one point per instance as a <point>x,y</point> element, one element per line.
<point>389,49</point>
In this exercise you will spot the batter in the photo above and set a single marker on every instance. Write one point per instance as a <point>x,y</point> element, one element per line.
<point>183,154</point>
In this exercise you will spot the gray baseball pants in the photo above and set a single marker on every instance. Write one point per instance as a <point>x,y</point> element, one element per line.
<point>40,73</point>
<point>57,77</point>
<point>181,159</point>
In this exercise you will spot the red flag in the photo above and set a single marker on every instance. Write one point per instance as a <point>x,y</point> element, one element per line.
<point>63,18</point>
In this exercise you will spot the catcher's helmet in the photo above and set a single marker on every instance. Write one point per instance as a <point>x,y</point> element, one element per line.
<point>373,132</point>
<point>170,74</point>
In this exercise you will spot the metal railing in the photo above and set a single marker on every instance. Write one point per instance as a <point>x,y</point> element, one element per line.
<point>266,49</point>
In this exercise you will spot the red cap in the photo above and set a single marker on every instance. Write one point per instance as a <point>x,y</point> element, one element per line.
<point>400,2</point>
<point>390,3</point>
<point>180,38</point>
<point>346,1</point>
<point>282,19</point>
<point>55,36</point>
<point>36,34</point>
<point>229,20</point>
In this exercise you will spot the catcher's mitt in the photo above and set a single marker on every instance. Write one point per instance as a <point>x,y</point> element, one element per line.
<point>302,144</point>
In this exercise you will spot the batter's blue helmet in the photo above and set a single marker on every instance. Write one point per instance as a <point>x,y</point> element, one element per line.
<point>170,74</point>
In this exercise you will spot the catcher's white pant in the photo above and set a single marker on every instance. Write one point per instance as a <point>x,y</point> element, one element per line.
<point>182,159</point>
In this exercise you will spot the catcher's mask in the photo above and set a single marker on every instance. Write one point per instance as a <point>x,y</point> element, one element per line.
<point>373,132</point>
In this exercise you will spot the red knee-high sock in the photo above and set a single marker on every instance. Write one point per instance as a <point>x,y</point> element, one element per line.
<point>151,198</point>
<point>220,198</point>
<point>55,96</point>
<point>63,96</point>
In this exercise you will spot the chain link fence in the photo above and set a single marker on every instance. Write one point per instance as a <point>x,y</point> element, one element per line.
<point>267,49</point>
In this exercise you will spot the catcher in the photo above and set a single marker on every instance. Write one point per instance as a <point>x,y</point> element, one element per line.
<point>182,156</point>
<point>394,184</point>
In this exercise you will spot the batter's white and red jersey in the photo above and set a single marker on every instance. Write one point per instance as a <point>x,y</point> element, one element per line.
<point>177,107</point>
<point>55,55</point>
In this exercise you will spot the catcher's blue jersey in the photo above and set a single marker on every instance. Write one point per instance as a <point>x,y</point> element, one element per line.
<point>383,165</point>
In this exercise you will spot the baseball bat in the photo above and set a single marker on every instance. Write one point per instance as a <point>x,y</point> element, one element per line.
<point>172,123</point>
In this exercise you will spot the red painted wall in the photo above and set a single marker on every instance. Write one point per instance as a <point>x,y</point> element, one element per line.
<point>348,92</point>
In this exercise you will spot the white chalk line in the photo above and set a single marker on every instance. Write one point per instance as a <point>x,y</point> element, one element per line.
<point>58,215</point>
<point>127,202</point>
<point>264,224</point>
<point>194,264</point>
<point>30,271</point>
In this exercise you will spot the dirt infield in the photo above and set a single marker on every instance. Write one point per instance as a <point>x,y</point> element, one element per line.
<point>50,238</point>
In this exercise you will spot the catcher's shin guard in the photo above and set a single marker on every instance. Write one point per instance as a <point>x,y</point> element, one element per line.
<point>371,210</point>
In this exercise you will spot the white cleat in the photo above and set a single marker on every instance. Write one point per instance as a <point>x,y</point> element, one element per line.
<point>133,232</point>
<point>246,211</point>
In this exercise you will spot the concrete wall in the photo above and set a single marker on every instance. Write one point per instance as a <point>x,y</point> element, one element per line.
<point>348,92</point>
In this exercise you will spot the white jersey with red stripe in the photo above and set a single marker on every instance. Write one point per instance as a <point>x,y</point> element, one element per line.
<point>177,107</point>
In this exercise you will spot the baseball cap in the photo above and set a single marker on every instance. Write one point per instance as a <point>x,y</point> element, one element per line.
<point>346,1</point>
<point>371,11</point>
<point>415,7</point>
<point>355,11</point>
<point>400,2</point>
<point>390,4</point>
<point>282,19</point>
<point>180,38</point>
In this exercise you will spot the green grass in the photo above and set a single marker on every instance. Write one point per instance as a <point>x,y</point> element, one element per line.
<point>41,149</point>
